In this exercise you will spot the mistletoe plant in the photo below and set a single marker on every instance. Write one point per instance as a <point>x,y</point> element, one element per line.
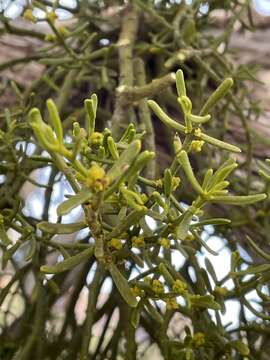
<point>107,177</point>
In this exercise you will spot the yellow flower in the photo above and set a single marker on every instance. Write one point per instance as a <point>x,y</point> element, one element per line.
<point>199,339</point>
<point>179,286</point>
<point>116,243</point>
<point>157,286</point>
<point>28,15</point>
<point>96,178</point>
<point>196,145</point>
<point>171,304</point>
<point>138,241</point>
<point>96,138</point>
<point>164,242</point>
<point>51,16</point>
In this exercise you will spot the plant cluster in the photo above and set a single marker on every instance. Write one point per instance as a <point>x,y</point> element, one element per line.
<point>138,210</point>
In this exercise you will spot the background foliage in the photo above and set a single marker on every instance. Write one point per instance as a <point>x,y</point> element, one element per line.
<point>126,53</point>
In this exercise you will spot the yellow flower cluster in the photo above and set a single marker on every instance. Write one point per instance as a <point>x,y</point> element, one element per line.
<point>157,287</point>
<point>196,145</point>
<point>96,178</point>
<point>96,138</point>
<point>179,286</point>
<point>138,241</point>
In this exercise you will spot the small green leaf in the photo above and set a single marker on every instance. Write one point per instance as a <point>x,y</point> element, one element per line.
<point>214,221</point>
<point>32,249</point>
<point>91,110</point>
<point>218,143</point>
<point>52,228</point>
<point>112,148</point>
<point>184,161</point>
<point>122,285</point>
<point>43,132</point>
<point>74,201</point>
<point>183,227</point>
<point>68,263</point>
<point>99,247</point>
<point>210,269</point>
<point>168,182</point>
<point>55,119</point>
<point>198,119</point>
<point>239,200</point>
<point>180,83</point>
<point>166,274</point>
<point>123,163</point>
<point>217,95</point>
<point>136,314</point>
<point>252,270</point>
<point>153,312</point>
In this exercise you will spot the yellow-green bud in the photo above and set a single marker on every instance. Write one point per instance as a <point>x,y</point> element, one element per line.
<point>50,37</point>
<point>221,290</point>
<point>198,339</point>
<point>137,291</point>
<point>138,241</point>
<point>28,15</point>
<point>116,243</point>
<point>164,242</point>
<point>198,132</point>
<point>171,304</point>
<point>51,16</point>
<point>189,237</point>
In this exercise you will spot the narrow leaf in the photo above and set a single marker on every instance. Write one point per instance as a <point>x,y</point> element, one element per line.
<point>122,285</point>
<point>52,228</point>
<point>124,161</point>
<point>74,201</point>
<point>68,263</point>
